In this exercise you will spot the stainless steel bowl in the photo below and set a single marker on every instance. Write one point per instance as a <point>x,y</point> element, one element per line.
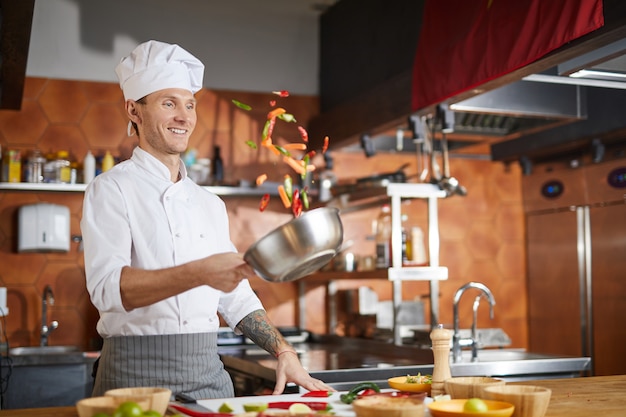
<point>299,247</point>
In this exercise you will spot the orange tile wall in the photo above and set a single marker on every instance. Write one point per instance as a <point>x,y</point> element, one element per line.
<point>482,235</point>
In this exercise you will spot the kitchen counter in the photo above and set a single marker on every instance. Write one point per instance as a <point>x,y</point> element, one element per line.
<point>572,397</point>
<point>339,361</point>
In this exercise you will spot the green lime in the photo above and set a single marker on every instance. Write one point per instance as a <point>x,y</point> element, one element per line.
<point>226,408</point>
<point>475,405</point>
<point>258,407</point>
<point>151,413</point>
<point>128,409</point>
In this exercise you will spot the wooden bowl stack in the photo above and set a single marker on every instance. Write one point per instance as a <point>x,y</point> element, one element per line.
<point>392,404</point>
<point>529,400</point>
<point>158,398</point>
<point>469,386</point>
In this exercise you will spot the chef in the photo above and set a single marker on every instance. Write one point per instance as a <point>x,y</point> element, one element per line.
<point>159,262</point>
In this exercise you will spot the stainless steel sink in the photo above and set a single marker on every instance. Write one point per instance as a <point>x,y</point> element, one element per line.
<point>42,350</point>
<point>497,355</point>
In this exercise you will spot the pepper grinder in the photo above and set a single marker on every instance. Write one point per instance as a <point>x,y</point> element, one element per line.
<point>440,338</point>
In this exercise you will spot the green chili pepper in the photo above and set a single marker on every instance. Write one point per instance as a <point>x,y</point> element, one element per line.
<point>352,395</point>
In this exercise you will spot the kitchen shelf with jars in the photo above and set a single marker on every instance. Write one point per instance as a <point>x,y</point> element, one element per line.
<point>398,272</point>
<point>235,191</point>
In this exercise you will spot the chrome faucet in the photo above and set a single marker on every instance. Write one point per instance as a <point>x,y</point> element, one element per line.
<point>47,297</point>
<point>457,341</point>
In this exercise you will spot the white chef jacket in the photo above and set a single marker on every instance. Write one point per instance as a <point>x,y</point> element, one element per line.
<point>134,215</point>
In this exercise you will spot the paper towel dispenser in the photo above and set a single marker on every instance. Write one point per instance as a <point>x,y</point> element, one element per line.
<point>43,227</point>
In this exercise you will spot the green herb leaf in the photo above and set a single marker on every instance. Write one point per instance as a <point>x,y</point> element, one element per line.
<point>251,144</point>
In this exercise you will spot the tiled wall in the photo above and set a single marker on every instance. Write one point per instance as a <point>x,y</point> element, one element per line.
<point>482,234</point>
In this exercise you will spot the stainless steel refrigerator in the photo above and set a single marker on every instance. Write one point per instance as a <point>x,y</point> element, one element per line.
<point>576,265</point>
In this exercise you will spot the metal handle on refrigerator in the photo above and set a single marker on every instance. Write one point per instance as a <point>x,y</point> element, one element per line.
<point>585,278</point>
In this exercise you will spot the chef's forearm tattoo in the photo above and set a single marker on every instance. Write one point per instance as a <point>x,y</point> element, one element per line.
<point>256,327</point>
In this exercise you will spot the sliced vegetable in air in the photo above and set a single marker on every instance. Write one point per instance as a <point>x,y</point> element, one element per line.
<point>241,105</point>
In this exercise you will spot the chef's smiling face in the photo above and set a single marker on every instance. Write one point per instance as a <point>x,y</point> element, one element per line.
<point>165,119</point>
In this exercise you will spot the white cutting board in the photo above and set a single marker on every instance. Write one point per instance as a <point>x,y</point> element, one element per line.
<point>340,409</point>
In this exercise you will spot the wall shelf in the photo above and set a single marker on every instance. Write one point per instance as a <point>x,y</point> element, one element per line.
<point>397,273</point>
<point>219,190</point>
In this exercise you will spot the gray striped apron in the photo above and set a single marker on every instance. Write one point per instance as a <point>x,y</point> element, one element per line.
<point>184,363</point>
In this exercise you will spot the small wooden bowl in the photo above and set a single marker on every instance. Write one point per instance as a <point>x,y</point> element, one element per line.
<point>392,404</point>
<point>87,407</point>
<point>159,398</point>
<point>529,400</point>
<point>469,386</point>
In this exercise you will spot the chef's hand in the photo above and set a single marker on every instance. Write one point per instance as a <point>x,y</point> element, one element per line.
<point>290,369</point>
<point>224,271</point>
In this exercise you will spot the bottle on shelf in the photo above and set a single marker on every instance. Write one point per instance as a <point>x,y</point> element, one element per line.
<point>217,166</point>
<point>63,169</point>
<point>417,255</point>
<point>383,237</point>
<point>107,161</point>
<point>89,168</point>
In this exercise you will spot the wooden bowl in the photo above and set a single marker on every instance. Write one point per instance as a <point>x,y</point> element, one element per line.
<point>529,400</point>
<point>87,407</point>
<point>469,386</point>
<point>158,398</point>
<point>393,404</point>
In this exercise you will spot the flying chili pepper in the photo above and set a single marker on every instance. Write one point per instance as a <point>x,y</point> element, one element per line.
<point>265,200</point>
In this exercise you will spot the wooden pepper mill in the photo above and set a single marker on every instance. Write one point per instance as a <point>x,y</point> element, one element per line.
<point>440,338</point>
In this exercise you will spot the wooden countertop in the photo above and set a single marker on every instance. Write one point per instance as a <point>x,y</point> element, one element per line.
<point>575,397</point>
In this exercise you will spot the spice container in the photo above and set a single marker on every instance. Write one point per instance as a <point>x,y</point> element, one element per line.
<point>63,169</point>
<point>12,166</point>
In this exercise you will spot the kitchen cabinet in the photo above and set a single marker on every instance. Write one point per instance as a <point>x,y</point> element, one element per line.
<point>397,273</point>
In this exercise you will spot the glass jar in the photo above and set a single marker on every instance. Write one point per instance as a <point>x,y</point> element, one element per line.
<point>35,166</point>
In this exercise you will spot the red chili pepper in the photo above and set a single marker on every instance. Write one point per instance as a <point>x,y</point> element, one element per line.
<point>367,392</point>
<point>296,203</point>
<point>323,393</point>
<point>194,413</point>
<point>303,134</point>
<point>265,200</point>
<point>313,405</point>
<point>281,93</point>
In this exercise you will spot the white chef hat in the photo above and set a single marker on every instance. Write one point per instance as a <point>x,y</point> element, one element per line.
<point>154,66</point>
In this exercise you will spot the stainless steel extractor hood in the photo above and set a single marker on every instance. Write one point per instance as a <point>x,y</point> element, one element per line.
<point>364,102</point>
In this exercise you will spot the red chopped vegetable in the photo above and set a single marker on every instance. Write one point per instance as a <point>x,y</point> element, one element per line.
<point>194,413</point>
<point>296,203</point>
<point>303,134</point>
<point>367,392</point>
<point>323,393</point>
<point>272,103</point>
<point>265,200</point>
<point>313,405</point>
<point>281,93</point>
